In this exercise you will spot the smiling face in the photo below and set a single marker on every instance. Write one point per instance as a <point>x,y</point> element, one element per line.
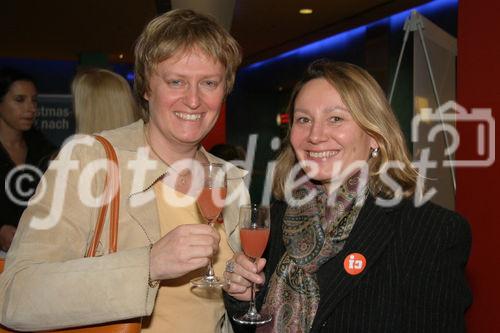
<point>185,97</point>
<point>18,106</point>
<point>324,131</point>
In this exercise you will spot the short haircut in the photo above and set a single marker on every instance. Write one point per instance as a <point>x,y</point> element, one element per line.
<point>182,30</point>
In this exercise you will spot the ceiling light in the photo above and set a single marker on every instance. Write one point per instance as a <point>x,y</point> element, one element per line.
<point>306,11</point>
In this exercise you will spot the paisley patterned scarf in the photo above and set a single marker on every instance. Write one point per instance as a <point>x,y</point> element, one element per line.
<point>313,233</point>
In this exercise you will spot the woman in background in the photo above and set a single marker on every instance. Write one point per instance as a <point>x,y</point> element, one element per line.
<point>103,100</point>
<point>20,145</point>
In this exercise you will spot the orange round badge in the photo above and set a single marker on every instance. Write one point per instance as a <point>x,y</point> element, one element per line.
<point>354,263</point>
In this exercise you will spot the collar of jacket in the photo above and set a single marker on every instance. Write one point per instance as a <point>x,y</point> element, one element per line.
<point>129,139</point>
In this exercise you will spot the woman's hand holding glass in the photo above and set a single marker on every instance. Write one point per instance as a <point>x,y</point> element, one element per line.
<point>186,248</point>
<point>245,272</point>
<point>254,223</point>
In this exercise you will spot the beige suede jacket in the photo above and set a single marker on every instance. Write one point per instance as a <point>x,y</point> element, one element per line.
<point>47,284</point>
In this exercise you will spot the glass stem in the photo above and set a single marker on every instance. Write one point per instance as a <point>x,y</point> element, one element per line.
<point>210,269</point>
<point>252,310</point>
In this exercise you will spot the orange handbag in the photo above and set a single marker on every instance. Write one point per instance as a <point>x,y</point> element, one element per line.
<point>113,179</point>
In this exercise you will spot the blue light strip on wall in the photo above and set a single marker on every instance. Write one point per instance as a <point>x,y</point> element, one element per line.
<point>396,20</point>
<point>426,9</point>
<point>316,47</point>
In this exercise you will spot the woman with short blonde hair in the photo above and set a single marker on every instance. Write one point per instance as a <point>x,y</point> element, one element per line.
<point>185,66</point>
<point>182,31</point>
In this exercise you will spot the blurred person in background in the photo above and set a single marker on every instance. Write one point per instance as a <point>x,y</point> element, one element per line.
<point>103,100</point>
<point>20,145</point>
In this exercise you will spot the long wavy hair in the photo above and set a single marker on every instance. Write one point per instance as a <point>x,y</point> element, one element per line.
<point>371,111</point>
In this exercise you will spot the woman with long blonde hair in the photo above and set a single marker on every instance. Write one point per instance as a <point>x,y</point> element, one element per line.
<point>103,100</point>
<point>350,248</point>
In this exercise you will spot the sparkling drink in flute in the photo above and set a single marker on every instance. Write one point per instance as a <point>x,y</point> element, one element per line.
<point>210,203</point>
<point>254,233</point>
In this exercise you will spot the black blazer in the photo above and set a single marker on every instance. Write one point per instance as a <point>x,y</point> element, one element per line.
<point>38,155</point>
<point>414,279</point>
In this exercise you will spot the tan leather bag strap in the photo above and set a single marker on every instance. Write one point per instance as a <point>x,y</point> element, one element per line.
<point>111,188</point>
<point>111,194</point>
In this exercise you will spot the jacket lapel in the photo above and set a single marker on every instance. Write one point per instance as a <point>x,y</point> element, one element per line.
<point>142,209</point>
<point>141,203</point>
<point>138,173</point>
<point>141,200</point>
<point>369,237</point>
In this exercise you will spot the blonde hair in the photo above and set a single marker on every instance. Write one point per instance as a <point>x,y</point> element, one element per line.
<point>371,111</point>
<point>102,100</point>
<point>182,30</point>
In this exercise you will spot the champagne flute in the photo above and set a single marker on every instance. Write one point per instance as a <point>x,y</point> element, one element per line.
<point>254,233</point>
<point>210,203</point>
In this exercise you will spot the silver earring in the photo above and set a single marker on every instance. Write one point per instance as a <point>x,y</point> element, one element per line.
<point>374,153</point>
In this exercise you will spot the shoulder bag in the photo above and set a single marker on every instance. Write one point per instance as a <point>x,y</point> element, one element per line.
<point>111,185</point>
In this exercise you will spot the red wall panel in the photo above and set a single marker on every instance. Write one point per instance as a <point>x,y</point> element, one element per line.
<point>218,133</point>
<point>478,189</point>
